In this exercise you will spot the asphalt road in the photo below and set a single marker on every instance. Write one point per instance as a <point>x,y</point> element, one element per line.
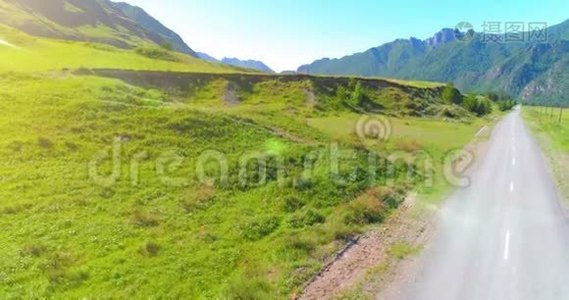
<point>506,235</point>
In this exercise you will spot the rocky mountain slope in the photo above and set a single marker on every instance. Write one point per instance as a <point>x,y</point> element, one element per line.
<point>531,70</point>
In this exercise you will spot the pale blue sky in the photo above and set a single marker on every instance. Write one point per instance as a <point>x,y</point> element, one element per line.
<point>287,33</point>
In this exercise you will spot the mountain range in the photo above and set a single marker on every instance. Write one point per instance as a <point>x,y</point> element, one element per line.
<point>531,70</point>
<point>249,64</point>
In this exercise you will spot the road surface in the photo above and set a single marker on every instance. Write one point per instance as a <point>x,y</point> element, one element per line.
<point>504,237</point>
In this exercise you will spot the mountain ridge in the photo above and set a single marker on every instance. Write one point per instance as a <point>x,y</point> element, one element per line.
<point>147,21</point>
<point>99,21</point>
<point>248,63</point>
<point>472,63</point>
<point>236,62</point>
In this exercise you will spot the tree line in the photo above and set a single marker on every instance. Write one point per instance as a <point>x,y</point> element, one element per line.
<point>478,104</point>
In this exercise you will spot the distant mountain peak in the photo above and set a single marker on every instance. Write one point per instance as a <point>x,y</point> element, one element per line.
<point>445,35</point>
<point>233,61</point>
<point>249,63</point>
<point>206,57</point>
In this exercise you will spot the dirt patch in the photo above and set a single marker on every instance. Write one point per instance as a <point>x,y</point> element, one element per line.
<point>369,251</point>
<point>230,96</point>
<point>310,97</point>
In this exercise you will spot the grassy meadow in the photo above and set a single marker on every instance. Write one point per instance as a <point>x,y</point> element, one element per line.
<point>216,191</point>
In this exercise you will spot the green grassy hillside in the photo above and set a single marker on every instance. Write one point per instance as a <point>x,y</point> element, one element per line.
<point>155,228</point>
<point>133,181</point>
<point>31,54</point>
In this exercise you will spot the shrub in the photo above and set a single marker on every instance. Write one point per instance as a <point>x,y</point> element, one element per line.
<point>364,210</point>
<point>392,199</point>
<point>506,105</point>
<point>57,265</point>
<point>16,146</point>
<point>150,248</point>
<point>451,95</point>
<point>470,102</point>
<point>72,146</point>
<point>479,105</point>
<point>308,218</point>
<point>198,198</point>
<point>33,250</point>
<point>292,204</point>
<point>45,143</point>
<point>303,184</point>
<point>299,243</point>
<point>143,219</point>
<point>452,112</point>
<point>312,217</point>
<point>155,52</point>
<point>254,230</point>
<point>499,96</point>
<point>343,232</point>
<point>15,209</point>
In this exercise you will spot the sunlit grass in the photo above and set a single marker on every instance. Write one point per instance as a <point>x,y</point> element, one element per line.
<point>429,133</point>
<point>40,55</point>
<point>67,236</point>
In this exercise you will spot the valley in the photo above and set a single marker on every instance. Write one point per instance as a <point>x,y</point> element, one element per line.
<point>213,239</point>
<point>135,167</point>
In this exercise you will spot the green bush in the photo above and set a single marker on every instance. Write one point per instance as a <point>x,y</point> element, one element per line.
<point>254,230</point>
<point>143,219</point>
<point>364,210</point>
<point>451,95</point>
<point>308,218</point>
<point>299,243</point>
<point>45,143</point>
<point>150,248</point>
<point>292,204</point>
<point>155,52</point>
<point>33,249</point>
<point>479,105</point>
<point>506,105</point>
<point>498,96</point>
